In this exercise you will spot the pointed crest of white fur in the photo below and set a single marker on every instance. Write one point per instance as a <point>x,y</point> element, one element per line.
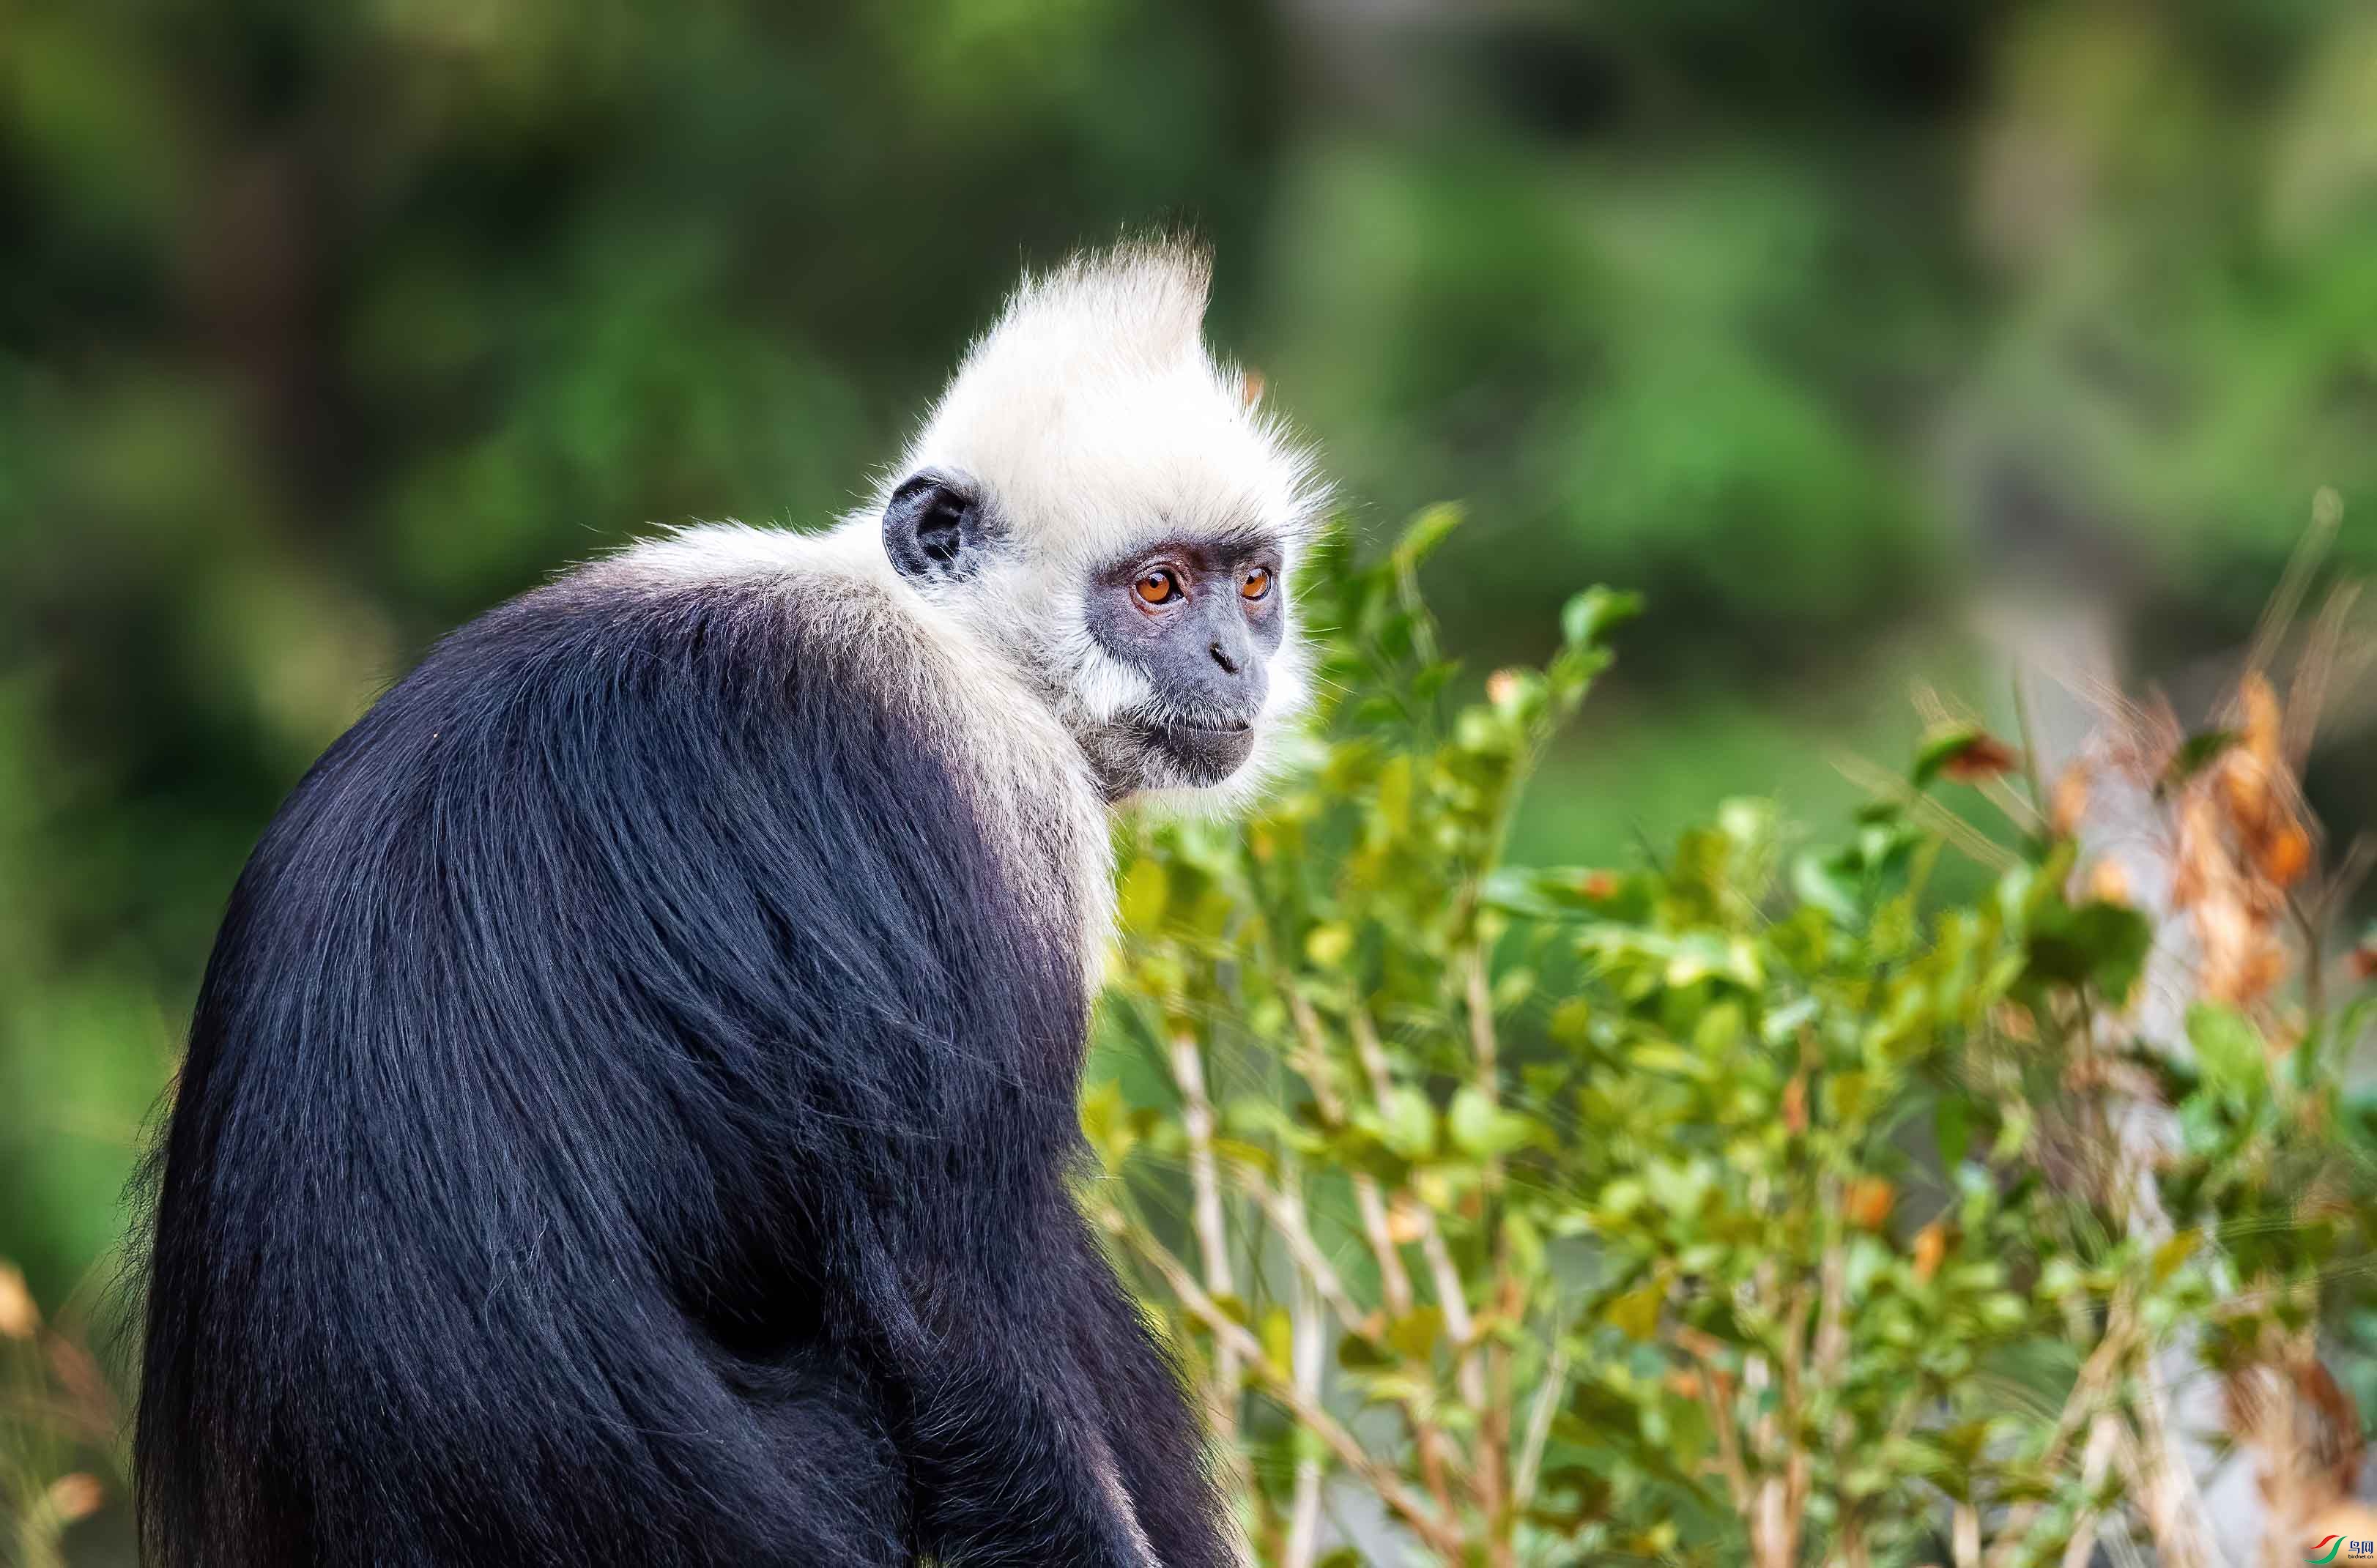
<point>1094,417</point>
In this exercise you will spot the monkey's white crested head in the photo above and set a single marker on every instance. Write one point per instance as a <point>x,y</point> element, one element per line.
<point>1093,411</point>
<point>1099,499</point>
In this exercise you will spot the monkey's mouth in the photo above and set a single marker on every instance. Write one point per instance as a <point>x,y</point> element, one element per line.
<point>1203,752</point>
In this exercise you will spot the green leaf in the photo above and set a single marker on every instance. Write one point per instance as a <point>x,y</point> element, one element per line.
<point>1415,1335</point>
<point>1106,1124</point>
<point>2173,1254</point>
<point>1392,802</point>
<point>2098,945</point>
<point>1834,883</point>
<point>1678,1186</point>
<point>1408,1122</point>
<point>1636,1313</point>
<point>1329,945</point>
<point>1483,1129</point>
<point>2229,1051</point>
<point>1591,615</point>
<point>1673,1061</point>
<point>1143,895</point>
<point>1952,1124</point>
<point>1278,1339</point>
<point>1939,749</point>
<point>1421,536</point>
<point>1524,1244</point>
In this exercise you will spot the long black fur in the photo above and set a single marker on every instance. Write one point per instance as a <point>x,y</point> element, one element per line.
<point>628,1120</point>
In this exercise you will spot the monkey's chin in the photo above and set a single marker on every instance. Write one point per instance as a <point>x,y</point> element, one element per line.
<point>1139,756</point>
<point>1199,755</point>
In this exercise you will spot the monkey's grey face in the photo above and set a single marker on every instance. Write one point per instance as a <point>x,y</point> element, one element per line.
<point>1197,618</point>
<point>1163,665</point>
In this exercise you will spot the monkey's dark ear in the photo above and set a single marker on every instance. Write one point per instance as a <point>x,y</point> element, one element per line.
<point>935,528</point>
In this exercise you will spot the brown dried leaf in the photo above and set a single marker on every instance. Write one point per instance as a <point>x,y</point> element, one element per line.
<point>2108,883</point>
<point>2284,855</point>
<point>2071,800</point>
<point>2264,729</point>
<point>1982,757</point>
<point>73,1497</point>
<point>1868,1202</point>
<point>18,1315</point>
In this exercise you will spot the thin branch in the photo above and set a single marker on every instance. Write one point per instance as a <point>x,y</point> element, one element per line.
<point>1286,1213</point>
<point>2302,565</point>
<point>1440,1535</point>
<point>1787,1500</point>
<point>2090,1392</point>
<point>2027,736</point>
<point>1308,1338</point>
<point>1213,1238</point>
<point>2173,1507</point>
<point>1540,1430</point>
<point>1394,1279</point>
<point>1715,1389</point>
<point>1459,1327</point>
<point>1487,1386</point>
<point>1371,1054</point>
<point>1479,996</point>
<point>1966,1535</point>
<point>2322,658</point>
<point>2104,1436</point>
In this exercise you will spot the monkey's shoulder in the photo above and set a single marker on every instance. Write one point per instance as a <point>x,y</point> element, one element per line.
<point>687,700</point>
<point>698,644</point>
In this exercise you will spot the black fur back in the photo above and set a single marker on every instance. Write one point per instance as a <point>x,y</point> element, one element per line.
<point>626,1095</point>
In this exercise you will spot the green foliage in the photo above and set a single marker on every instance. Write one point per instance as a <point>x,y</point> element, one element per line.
<point>1765,1203</point>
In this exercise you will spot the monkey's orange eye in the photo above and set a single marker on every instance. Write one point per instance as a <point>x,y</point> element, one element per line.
<point>1156,588</point>
<point>1255,583</point>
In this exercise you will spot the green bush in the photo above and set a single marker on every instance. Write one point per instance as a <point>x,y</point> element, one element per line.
<point>1774,1201</point>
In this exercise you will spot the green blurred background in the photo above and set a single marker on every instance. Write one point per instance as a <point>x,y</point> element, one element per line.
<point>1867,338</point>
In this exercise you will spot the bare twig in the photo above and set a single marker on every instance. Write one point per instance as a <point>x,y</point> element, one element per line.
<point>1715,1390</point>
<point>2103,1437</point>
<point>1308,1338</point>
<point>1966,1535</point>
<point>2311,551</point>
<point>1213,1238</point>
<point>2173,1507</point>
<point>1394,1279</point>
<point>2323,657</point>
<point>1440,1533</point>
<point>1283,1206</point>
<point>1459,1327</point>
<point>1488,1389</point>
<point>2091,1391</point>
<point>1539,1428</point>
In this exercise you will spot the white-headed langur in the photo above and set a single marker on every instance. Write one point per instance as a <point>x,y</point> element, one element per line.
<point>630,1109</point>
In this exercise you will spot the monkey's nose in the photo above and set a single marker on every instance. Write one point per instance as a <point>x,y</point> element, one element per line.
<point>1222,658</point>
